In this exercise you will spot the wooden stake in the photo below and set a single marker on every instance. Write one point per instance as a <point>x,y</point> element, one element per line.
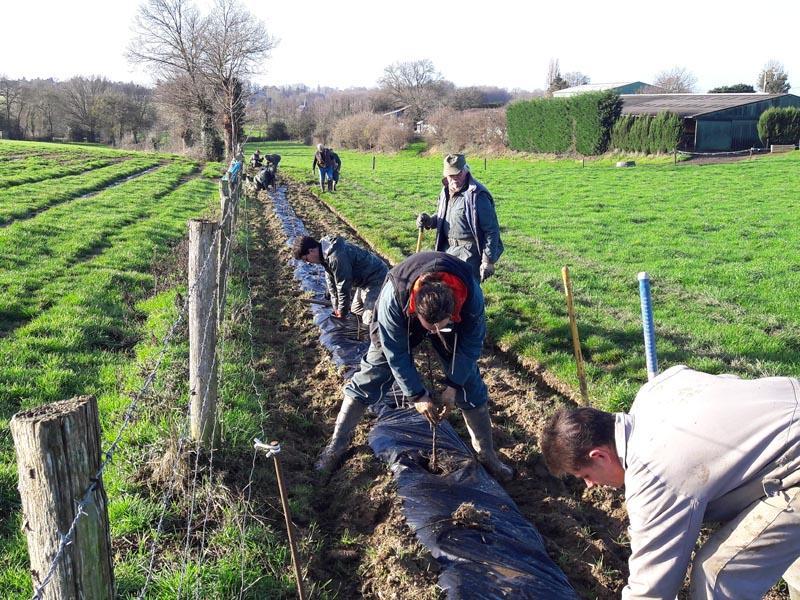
<point>58,454</point>
<point>419,240</point>
<point>273,449</point>
<point>576,343</point>
<point>203,252</point>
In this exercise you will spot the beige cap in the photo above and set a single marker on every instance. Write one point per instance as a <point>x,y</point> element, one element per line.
<point>453,164</point>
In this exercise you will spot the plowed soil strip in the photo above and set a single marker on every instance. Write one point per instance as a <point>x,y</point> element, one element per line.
<point>585,530</point>
<point>366,551</point>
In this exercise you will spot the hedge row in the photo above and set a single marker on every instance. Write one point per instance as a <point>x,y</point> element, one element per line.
<point>579,123</point>
<point>780,125</point>
<point>647,133</point>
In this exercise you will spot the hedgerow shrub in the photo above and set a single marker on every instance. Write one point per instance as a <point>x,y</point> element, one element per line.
<point>594,115</point>
<point>458,130</point>
<point>540,125</point>
<point>647,133</point>
<point>370,131</point>
<point>780,125</point>
<point>580,123</point>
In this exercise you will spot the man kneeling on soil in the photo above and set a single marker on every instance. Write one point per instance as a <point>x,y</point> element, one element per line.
<point>350,272</point>
<point>264,179</point>
<point>429,295</point>
<point>694,448</point>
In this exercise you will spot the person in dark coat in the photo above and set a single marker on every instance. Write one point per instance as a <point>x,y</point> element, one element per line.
<point>465,220</point>
<point>430,295</point>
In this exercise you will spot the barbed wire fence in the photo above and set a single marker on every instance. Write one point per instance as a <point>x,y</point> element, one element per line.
<point>59,571</point>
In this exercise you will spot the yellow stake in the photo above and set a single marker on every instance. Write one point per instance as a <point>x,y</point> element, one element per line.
<point>576,342</point>
<point>419,239</point>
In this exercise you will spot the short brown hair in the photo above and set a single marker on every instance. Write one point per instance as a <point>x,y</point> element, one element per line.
<point>570,435</point>
<point>302,245</point>
<point>434,301</point>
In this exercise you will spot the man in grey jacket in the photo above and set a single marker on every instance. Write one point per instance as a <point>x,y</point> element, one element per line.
<point>430,295</point>
<point>694,448</point>
<point>353,276</point>
<point>465,220</point>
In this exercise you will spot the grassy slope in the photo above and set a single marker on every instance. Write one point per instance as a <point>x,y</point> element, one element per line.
<point>715,240</point>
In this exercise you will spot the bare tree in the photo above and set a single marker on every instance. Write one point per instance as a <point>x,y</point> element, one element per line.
<point>13,101</point>
<point>555,81</point>
<point>171,40</point>
<point>575,78</point>
<point>83,101</point>
<point>773,78</point>
<point>677,80</point>
<point>415,84</point>
<point>236,44</point>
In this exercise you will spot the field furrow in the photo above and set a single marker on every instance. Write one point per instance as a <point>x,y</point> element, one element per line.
<point>26,201</point>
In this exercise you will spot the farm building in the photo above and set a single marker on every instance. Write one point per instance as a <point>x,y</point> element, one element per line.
<point>623,87</point>
<point>711,122</point>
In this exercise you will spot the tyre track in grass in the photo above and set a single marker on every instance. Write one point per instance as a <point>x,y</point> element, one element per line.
<point>17,316</point>
<point>9,216</point>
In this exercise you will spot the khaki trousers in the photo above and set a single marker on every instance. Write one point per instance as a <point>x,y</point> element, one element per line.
<point>752,552</point>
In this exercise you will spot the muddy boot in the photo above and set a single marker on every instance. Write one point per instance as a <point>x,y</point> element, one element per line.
<point>349,416</point>
<point>479,426</point>
<point>330,185</point>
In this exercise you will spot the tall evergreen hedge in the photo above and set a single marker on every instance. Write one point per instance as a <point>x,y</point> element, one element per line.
<point>580,123</point>
<point>647,133</point>
<point>780,125</point>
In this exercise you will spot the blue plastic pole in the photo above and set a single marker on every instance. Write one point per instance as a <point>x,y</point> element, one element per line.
<point>647,325</point>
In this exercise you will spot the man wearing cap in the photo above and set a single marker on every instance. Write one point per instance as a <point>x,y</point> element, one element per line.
<point>430,295</point>
<point>323,160</point>
<point>697,447</point>
<point>465,220</point>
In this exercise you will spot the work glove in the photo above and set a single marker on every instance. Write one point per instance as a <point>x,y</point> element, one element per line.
<point>366,317</point>
<point>487,270</point>
<point>423,221</point>
<point>425,406</point>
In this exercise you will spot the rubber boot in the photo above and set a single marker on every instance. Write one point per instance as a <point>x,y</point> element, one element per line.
<point>330,185</point>
<point>479,426</point>
<point>322,186</point>
<point>349,415</point>
<point>334,185</point>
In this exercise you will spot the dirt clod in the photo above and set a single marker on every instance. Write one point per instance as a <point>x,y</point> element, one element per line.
<point>466,515</point>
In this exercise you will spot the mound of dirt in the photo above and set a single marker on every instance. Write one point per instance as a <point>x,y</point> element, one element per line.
<point>466,515</point>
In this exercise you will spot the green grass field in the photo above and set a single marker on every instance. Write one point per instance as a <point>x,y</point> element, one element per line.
<point>87,292</point>
<point>718,240</point>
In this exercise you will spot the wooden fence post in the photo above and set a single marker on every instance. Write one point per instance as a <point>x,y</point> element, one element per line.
<point>223,259</point>
<point>58,455</point>
<point>203,255</point>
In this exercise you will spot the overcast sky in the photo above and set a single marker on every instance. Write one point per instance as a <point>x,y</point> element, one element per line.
<point>346,43</point>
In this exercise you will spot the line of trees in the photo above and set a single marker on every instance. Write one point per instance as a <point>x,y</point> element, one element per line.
<point>91,109</point>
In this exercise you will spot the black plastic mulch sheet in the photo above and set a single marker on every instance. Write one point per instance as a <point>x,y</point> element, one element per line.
<point>504,559</point>
<point>346,351</point>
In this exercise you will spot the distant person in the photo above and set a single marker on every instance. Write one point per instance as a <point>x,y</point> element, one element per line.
<point>465,220</point>
<point>430,295</point>
<point>323,161</point>
<point>696,448</point>
<point>256,160</point>
<point>274,160</point>
<point>353,275</point>
<point>337,167</point>
<point>264,179</point>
